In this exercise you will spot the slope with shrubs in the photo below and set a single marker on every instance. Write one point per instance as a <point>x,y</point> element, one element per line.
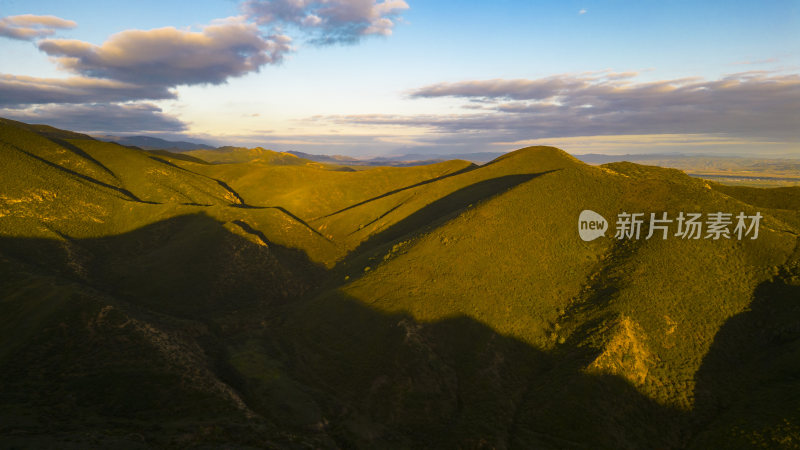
<point>646,311</point>
<point>118,273</point>
<point>443,306</point>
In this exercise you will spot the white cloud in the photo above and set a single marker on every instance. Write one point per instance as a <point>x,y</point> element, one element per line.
<point>172,57</point>
<point>28,27</point>
<point>329,21</point>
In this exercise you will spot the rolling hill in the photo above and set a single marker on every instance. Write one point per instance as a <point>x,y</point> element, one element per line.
<point>154,143</point>
<point>249,298</point>
<point>732,170</point>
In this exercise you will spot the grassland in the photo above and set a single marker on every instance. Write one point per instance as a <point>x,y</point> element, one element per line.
<point>254,298</point>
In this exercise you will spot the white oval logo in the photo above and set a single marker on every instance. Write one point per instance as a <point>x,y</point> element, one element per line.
<point>591,225</point>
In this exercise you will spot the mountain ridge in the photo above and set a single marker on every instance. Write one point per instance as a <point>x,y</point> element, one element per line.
<point>154,143</point>
<point>438,306</point>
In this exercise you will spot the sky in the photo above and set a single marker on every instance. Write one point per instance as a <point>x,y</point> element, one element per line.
<point>389,77</point>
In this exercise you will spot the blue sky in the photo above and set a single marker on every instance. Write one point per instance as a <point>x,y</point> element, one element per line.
<point>372,77</point>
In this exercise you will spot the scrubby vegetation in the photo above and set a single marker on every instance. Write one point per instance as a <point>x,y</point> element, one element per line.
<point>254,298</point>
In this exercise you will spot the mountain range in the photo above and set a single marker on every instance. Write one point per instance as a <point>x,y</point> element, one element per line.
<point>245,298</point>
<point>154,143</point>
<point>750,171</point>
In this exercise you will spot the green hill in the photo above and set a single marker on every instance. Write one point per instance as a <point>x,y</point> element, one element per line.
<point>255,299</point>
<point>231,155</point>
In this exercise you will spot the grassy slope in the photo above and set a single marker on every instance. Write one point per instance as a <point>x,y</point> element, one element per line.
<point>229,155</point>
<point>434,306</point>
<point>310,193</point>
<point>646,312</point>
<point>98,242</point>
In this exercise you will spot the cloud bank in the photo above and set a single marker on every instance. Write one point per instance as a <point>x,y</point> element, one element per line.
<point>132,65</point>
<point>28,27</point>
<point>170,57</point>
<point>137,65</point>
<point>760,105</point>
<point>22,90</point>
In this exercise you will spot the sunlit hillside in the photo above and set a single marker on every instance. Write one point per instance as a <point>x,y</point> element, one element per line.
<point>249,298</point>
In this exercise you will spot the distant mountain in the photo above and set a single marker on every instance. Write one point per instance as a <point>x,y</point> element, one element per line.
<point>153,143</point>
<point>337,159</point>
<point>229,155</point>
<point>764,172</point>
<point>478,158</point>
<point>600,158</point>
<point>411,159</point>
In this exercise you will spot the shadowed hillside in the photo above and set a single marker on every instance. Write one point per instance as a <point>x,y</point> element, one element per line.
<point>159,300</point>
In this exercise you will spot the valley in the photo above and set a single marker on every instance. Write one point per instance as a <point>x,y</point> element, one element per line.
<point>250,298</point>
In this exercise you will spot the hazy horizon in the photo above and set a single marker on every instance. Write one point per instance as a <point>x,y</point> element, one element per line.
<point>370,78</point>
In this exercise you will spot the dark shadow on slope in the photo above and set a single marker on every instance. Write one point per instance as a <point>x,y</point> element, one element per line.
<point>179,156</point>
<point>76,150</point>
<point>247,228</point>
<point>384,214</point>
<point>580,319</point>
<point>748,387</point>
<point>128,194</point>
<point>225,186</point>
<point>327,371</point>
<point>290,215</point>
<point>324,371</point>
<point>165,162</point>
<point>189,266</point>
<point>438,210</point>
<point>59,137</point>
<point>222,184</point>
<point>387,381</point>
<point>119,342</point>
<point>297,219</point>
<point>395,191</point>
<point>242,203</point>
